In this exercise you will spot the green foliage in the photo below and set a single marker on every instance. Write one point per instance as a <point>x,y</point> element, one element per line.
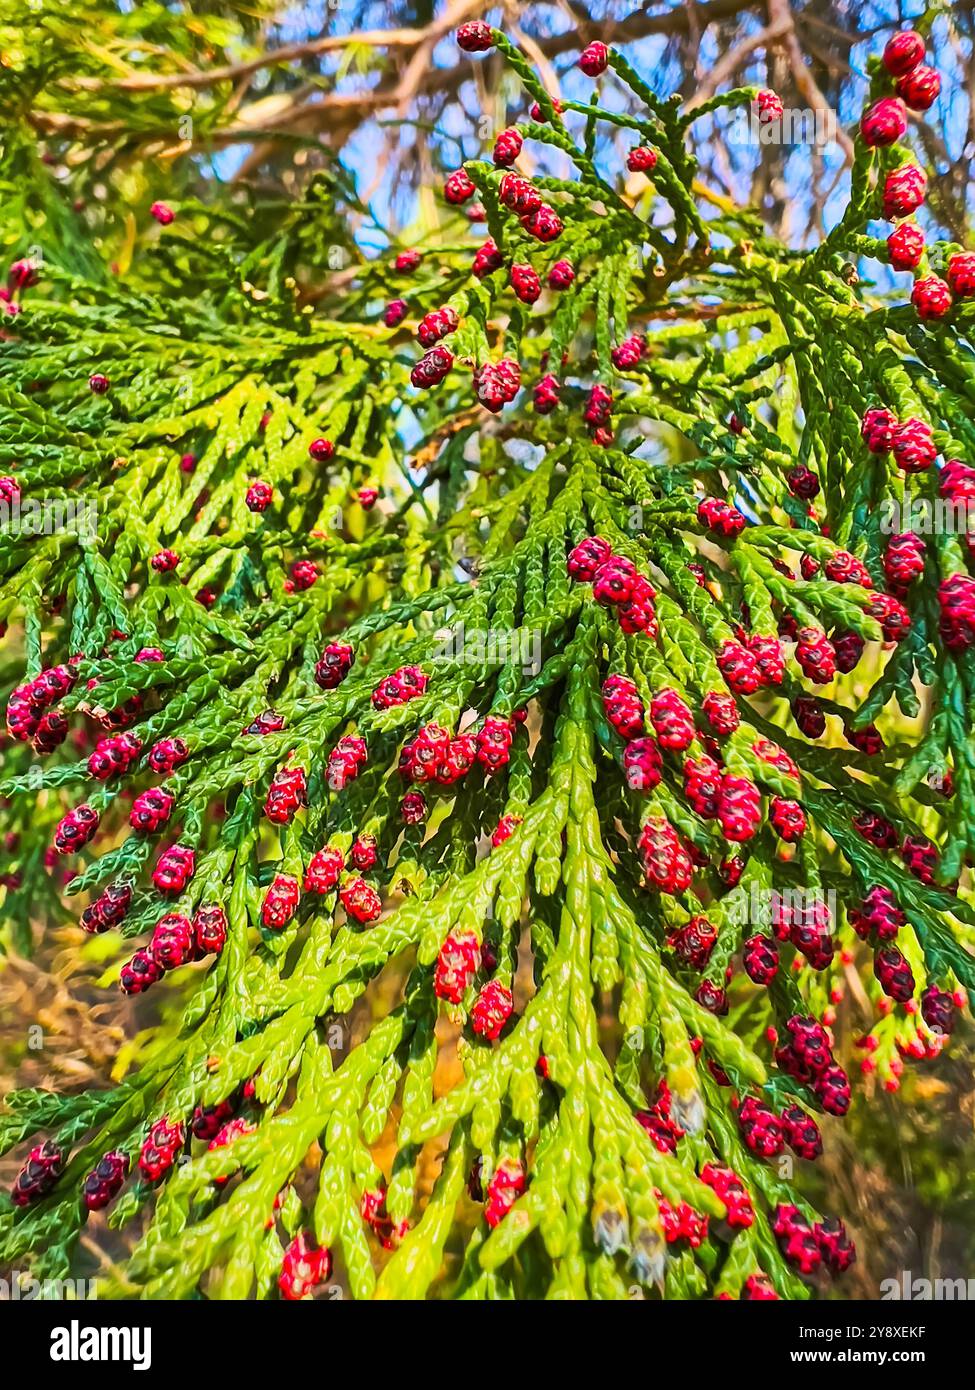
<point>228,337</point>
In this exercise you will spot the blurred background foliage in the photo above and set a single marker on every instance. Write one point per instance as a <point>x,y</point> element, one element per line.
<point>333,124</point>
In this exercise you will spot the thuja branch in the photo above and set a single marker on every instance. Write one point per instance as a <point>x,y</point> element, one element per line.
<point>573,725</point>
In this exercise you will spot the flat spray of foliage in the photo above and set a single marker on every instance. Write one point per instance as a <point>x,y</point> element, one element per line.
<point>755,361</point>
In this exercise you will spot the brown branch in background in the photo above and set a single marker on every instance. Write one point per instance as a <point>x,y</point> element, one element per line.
<point>694,35</point>
<point>946,192</point>
<point>329,43</point>
<point>780,14</point>
<point>538,56</point>
<point>634,26</point>
<point>734,59</point>
<point>337,114</point>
